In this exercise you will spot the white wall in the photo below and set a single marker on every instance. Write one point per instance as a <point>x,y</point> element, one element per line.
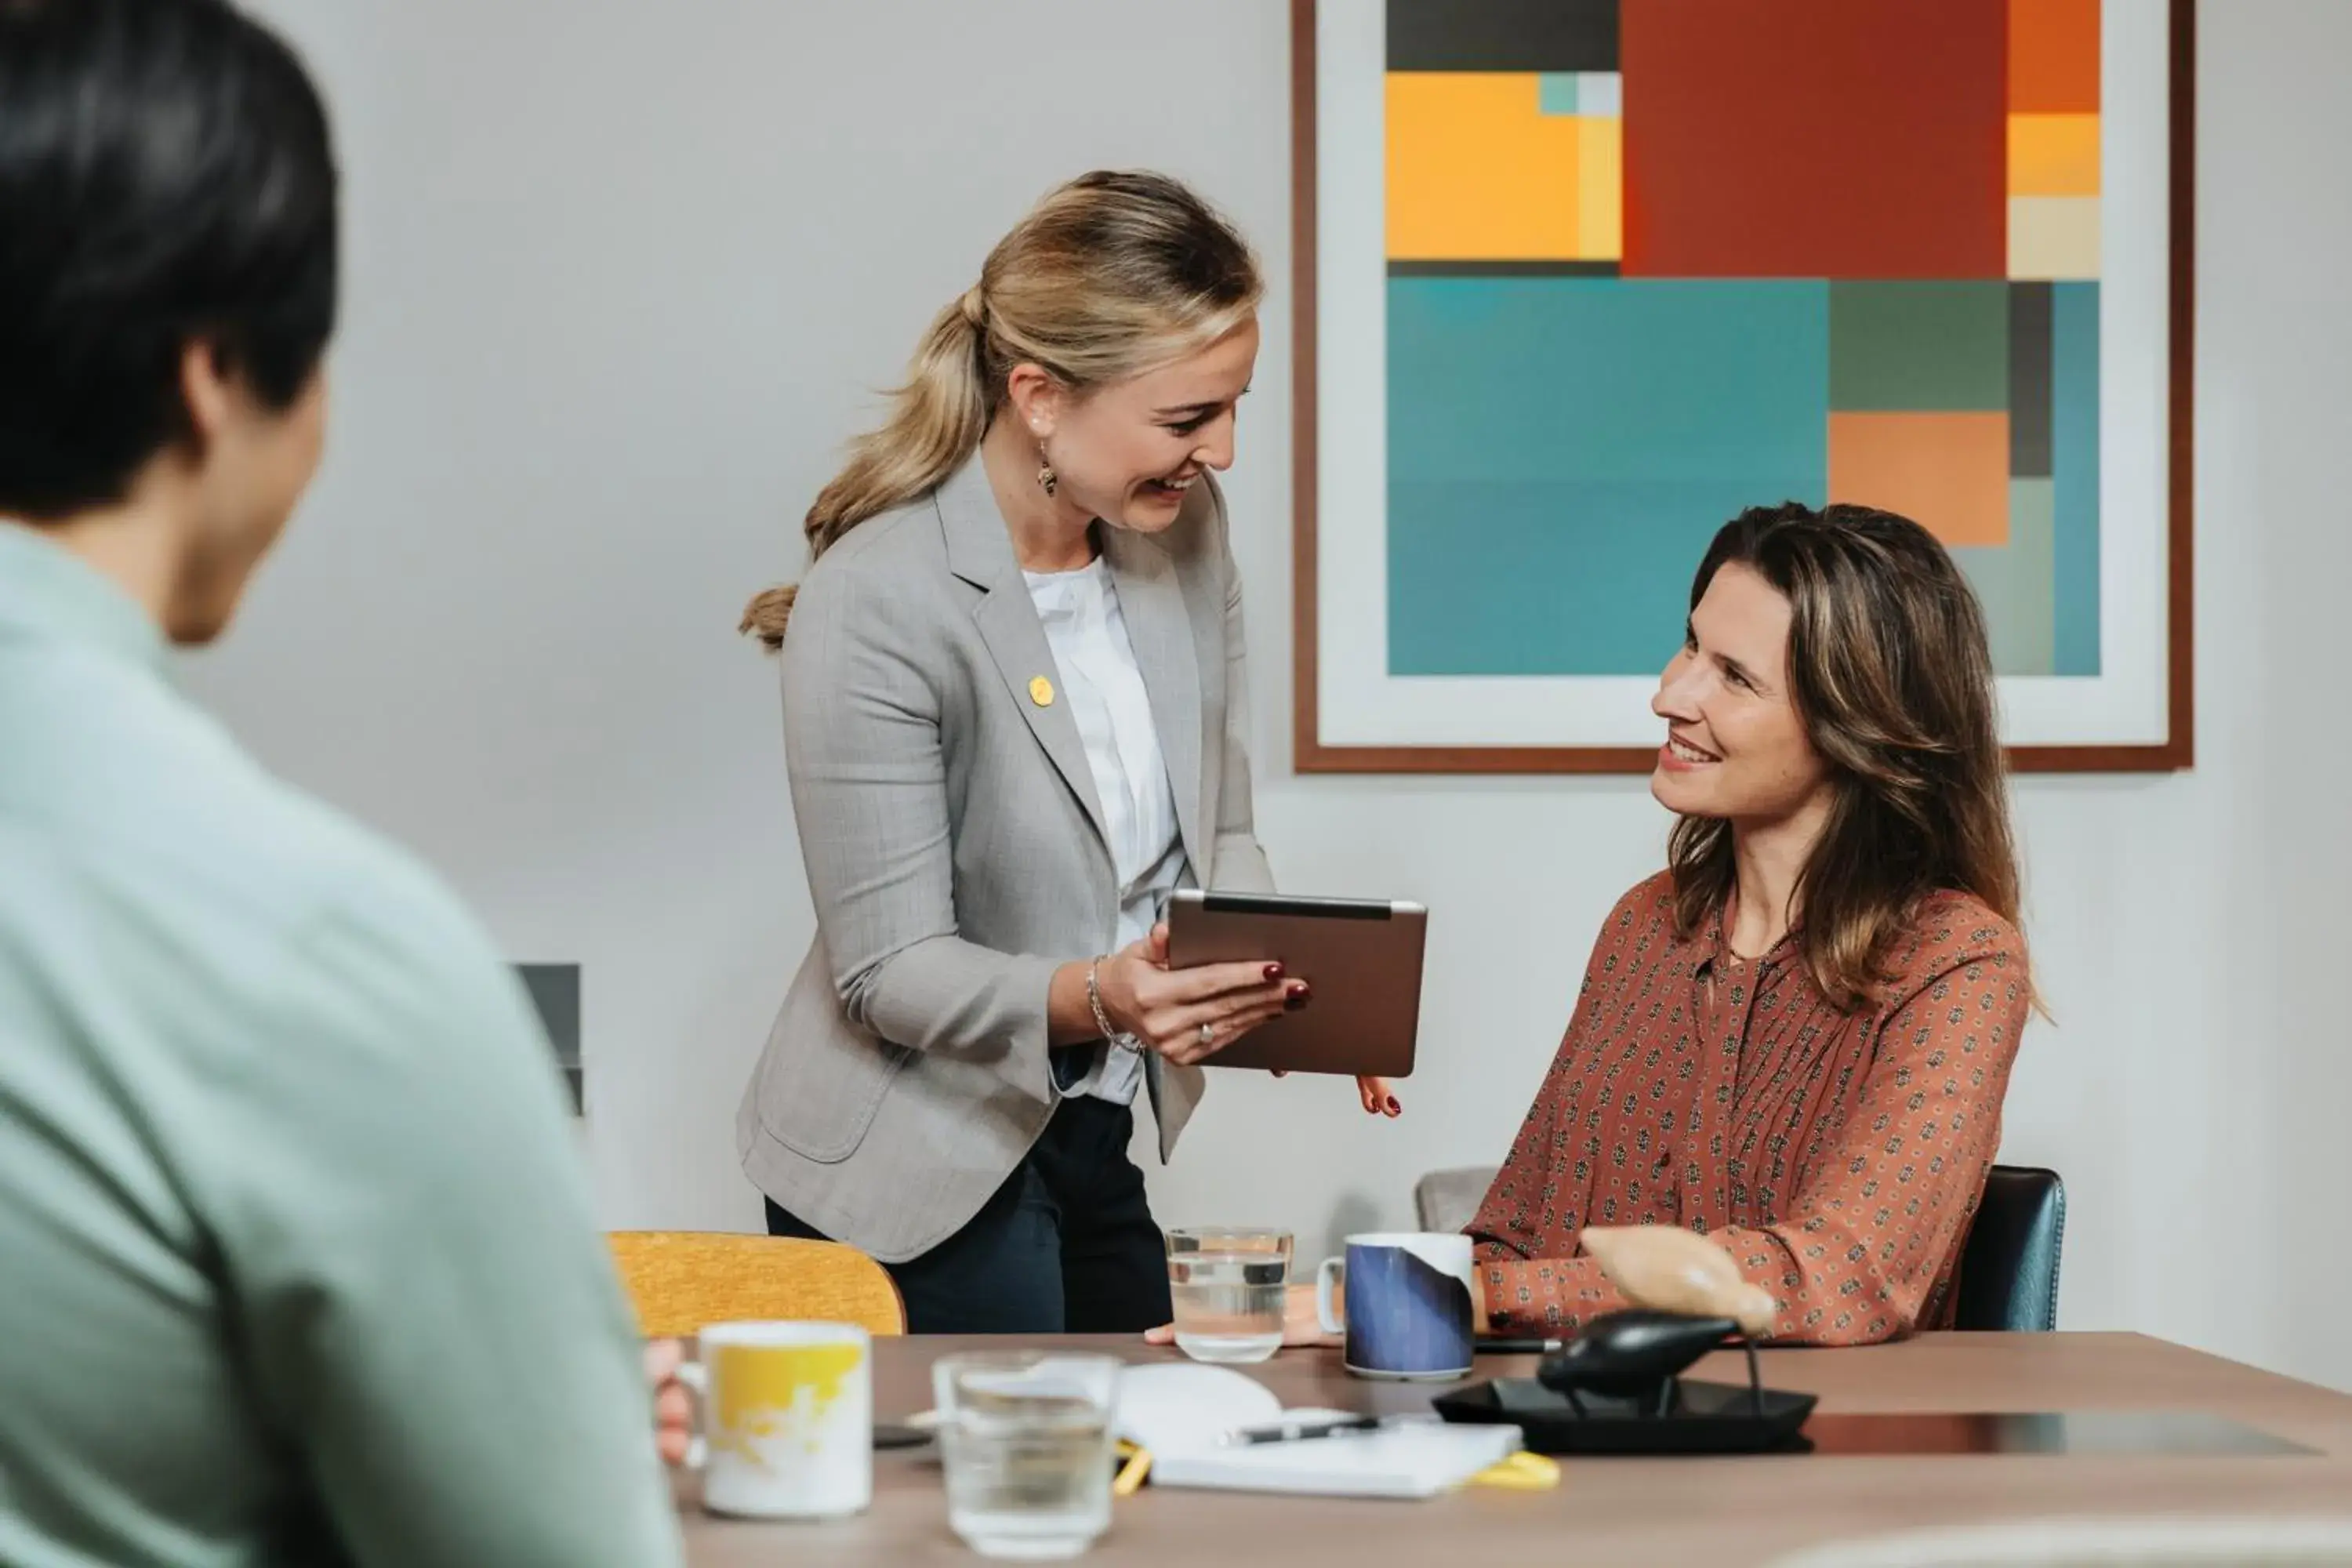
<point>619,275</point>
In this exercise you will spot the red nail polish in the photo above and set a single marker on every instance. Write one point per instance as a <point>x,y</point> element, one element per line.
<point>1299,997</point>
<point>1274,972</point>
<point>1394,1109</point>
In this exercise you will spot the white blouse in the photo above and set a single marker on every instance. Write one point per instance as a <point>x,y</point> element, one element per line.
<point>1103,686</point>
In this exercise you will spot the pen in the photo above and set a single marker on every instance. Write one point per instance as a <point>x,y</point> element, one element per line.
<point>1291,1431</point>
<point>1520,1347</point>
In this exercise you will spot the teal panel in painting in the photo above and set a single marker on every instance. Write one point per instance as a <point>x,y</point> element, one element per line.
<point>1561,449</point>
<point>2074,471</point>
<point>1556,92</point>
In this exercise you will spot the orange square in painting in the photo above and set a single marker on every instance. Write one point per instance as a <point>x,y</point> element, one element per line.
<point>1476,171</point>
<point>2054,56</point>
<point>1948,472</point>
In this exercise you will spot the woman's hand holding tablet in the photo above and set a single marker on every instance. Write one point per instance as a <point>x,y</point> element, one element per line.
<point>1186,1015</point>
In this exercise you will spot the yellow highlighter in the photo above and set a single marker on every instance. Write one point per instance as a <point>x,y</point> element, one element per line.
<point>1134,1466</point>
<point>1522,1472</point>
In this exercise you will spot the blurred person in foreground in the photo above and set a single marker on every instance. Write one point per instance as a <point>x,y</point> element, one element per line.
<point>298,1259</point>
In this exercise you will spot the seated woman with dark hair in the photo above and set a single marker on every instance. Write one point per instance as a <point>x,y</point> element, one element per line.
<point>1795,1039</point>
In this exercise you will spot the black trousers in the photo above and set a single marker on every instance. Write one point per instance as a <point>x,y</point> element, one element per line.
<point>1068,1245</point>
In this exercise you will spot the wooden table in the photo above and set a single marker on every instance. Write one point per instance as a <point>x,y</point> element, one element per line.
<point>1680,1511</point>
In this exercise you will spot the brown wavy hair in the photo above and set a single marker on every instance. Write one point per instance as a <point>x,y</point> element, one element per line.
<point>1891,674</point>
<point>1114,274</point>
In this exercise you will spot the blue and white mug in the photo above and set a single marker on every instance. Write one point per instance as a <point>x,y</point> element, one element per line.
<point>1409,1297</point>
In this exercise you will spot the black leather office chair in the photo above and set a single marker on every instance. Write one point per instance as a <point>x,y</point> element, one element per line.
<point>2008,1269</point>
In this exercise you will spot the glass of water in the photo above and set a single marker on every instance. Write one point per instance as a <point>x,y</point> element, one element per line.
<point>1228,1285</point>
<point>1025,1438</point>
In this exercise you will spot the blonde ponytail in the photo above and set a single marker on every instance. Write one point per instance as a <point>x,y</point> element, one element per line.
<point>936,422</point>
<point>1110,276</point>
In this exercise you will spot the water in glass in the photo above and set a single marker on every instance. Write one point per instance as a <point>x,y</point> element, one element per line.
<point>1026,1446</point>
<point>1229,1304</point>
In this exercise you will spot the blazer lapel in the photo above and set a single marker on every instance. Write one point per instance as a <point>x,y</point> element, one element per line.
<point>981,552</point>
<point>1160,626</point>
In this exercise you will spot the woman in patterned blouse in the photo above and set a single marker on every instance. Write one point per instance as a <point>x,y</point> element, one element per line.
<point>1795,1039</point>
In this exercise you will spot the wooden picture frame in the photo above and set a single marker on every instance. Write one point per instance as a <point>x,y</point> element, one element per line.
<point>2169,745</point>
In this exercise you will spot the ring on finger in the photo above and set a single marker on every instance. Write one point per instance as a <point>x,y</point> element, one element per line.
<point>1208,1033</point>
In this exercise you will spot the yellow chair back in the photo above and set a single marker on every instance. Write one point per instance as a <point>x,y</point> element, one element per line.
<point>681,1279</point>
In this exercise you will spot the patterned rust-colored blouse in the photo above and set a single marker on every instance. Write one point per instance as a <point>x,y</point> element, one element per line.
<point>1838,1157</point>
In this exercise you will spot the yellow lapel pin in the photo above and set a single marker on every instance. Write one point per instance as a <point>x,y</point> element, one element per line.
<point>1041,691</point>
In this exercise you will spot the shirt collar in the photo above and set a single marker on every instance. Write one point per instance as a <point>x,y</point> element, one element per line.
<point>1080,595</point>
<point>1713,943</point>
<point>48,593</point>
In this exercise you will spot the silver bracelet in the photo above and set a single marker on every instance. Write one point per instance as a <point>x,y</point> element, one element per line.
<point>1118,1038</point>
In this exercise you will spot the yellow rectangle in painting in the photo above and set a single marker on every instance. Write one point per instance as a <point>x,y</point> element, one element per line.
<point>1477,171</point>
<point>1600,189</point>
<point>2053,155</point>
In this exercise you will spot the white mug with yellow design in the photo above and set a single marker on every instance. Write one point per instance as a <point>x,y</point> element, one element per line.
<point>787,1419</point>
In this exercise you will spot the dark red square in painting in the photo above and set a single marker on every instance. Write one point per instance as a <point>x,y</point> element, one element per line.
<point>1815,138</point>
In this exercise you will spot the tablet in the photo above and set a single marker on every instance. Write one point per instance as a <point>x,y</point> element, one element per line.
<point>1362,959</point>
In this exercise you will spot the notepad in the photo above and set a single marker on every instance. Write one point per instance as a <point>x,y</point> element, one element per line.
<point>1182,1413</point>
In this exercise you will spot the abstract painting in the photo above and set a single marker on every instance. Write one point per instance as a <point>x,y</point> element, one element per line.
<point>1578,279</point>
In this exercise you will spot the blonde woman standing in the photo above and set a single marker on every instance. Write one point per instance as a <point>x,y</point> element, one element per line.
<point>1013,717</point>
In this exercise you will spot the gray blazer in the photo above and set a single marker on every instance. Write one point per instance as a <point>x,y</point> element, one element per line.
<point>955,852</point>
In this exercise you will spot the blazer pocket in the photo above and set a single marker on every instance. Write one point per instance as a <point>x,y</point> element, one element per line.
<point>819,1104</point>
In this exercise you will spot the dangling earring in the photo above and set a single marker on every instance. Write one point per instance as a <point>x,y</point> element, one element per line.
<point>1048,480</point>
